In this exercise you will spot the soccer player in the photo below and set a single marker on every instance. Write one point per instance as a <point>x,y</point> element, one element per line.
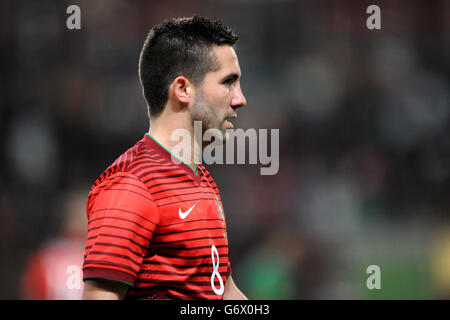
<point>156,227</point>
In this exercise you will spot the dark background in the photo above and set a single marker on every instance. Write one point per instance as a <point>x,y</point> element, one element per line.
<point>364,138</point>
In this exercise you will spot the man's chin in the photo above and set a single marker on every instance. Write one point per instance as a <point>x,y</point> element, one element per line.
<point>224,135</point>
<point>217,135</point>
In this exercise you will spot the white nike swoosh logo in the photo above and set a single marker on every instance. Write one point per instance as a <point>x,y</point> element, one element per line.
<point>182,214</point>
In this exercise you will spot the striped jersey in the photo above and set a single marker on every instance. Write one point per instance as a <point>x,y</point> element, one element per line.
<point>157,226</point>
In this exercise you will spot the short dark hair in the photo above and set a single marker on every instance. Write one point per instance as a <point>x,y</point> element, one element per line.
<point>179,46</point>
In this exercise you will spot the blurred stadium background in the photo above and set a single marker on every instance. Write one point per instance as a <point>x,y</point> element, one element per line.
<point>364,119</point>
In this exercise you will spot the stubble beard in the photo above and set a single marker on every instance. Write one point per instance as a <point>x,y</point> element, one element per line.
<point>205,112</point>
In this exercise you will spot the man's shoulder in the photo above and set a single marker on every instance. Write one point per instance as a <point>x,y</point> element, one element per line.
<point>208,176</point>
<point>137,159</point>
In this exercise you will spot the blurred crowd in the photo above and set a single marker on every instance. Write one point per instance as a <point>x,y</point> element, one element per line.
<point>364,119</point>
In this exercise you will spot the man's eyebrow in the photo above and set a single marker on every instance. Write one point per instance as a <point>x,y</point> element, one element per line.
<point>232,76</point>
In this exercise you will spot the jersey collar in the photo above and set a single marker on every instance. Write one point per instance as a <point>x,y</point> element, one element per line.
<point>168,156</point>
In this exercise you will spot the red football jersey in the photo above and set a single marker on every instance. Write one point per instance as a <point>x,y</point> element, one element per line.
<point>157,226</point>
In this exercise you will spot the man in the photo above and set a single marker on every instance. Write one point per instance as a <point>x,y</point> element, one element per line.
<point>156,226</point>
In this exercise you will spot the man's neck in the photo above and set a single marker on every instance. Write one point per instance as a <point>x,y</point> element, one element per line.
<point>183,139</point>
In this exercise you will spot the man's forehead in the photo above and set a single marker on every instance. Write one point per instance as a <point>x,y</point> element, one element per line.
<point>226,58</point>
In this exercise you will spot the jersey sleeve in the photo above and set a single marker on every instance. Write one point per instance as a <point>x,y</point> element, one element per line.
<point>122,219</point>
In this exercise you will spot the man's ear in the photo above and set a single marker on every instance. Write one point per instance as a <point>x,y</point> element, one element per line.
<point>182,89</point>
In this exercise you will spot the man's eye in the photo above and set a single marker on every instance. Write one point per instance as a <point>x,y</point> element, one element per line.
<point>229,81</point>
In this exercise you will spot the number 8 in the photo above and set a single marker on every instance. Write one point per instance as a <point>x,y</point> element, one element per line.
<point>215,273</point>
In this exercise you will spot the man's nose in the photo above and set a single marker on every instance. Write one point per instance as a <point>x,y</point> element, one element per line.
<point>238,99</point>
